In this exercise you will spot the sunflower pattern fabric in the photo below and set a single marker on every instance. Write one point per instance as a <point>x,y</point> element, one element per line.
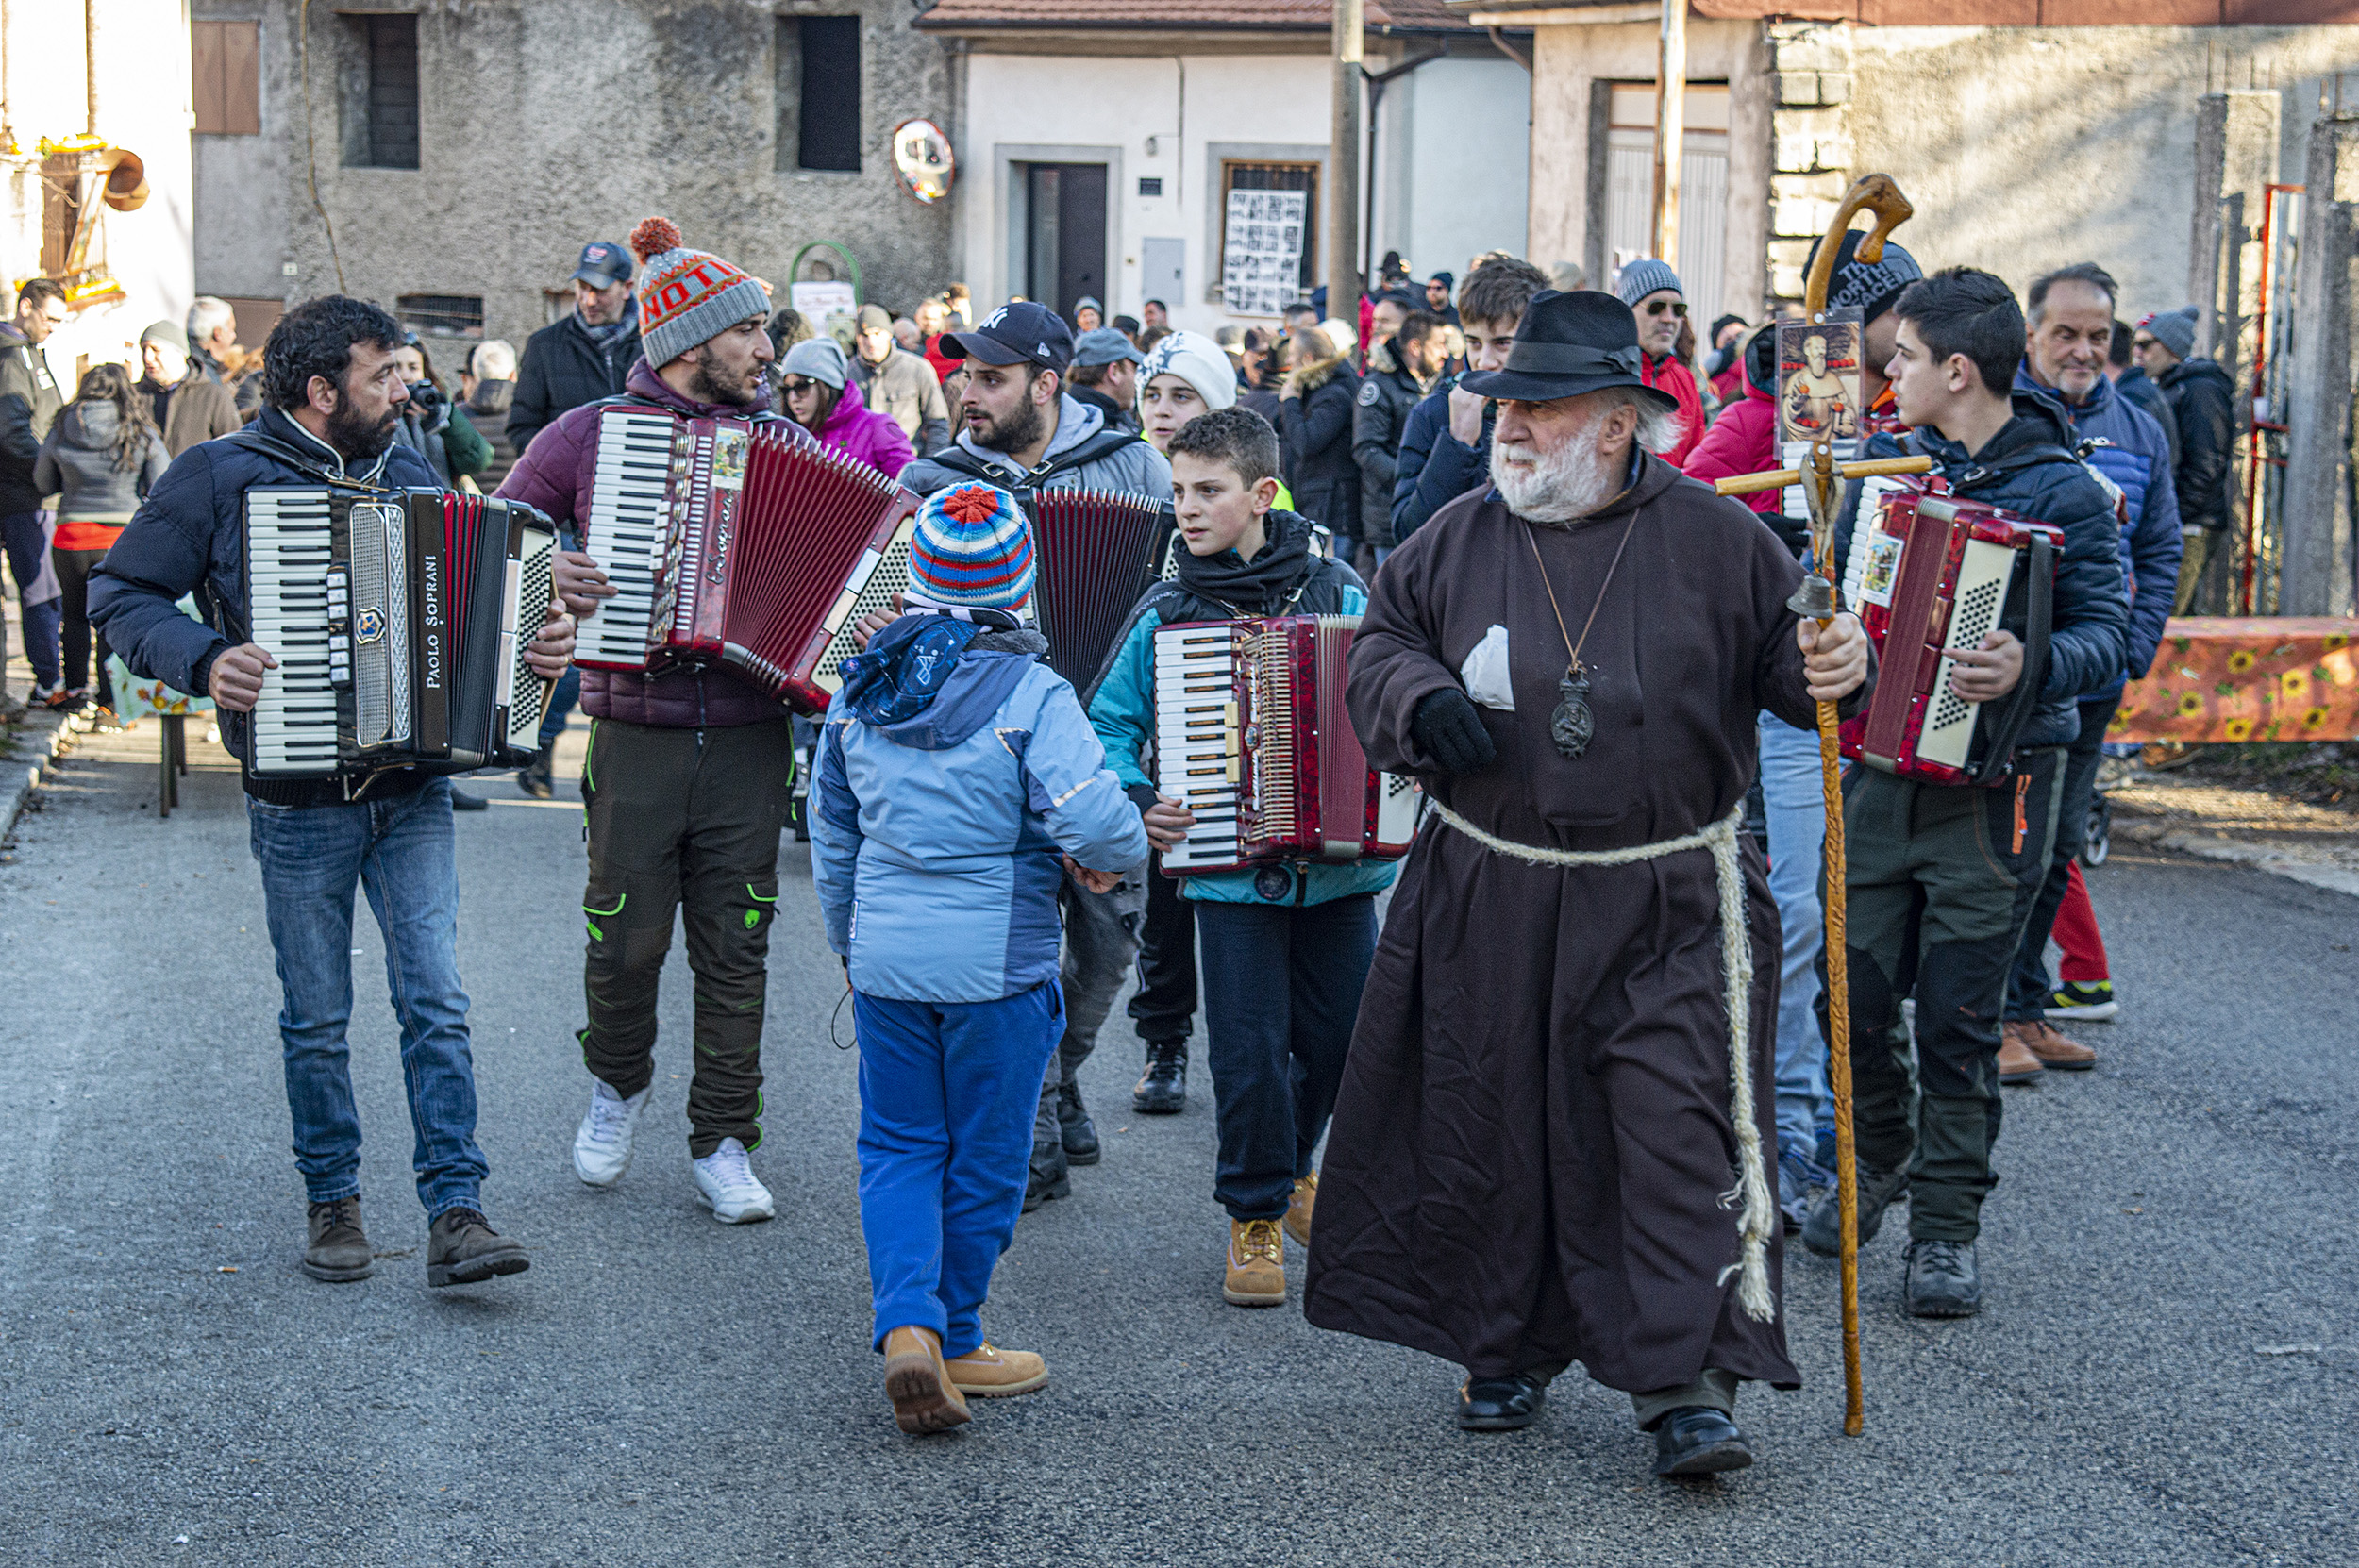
<point>2233,679</point>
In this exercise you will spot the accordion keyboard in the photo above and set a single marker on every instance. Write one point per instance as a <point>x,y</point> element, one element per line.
<point>1198,753</point>
<point>625,532</point>
<point>290,560</point>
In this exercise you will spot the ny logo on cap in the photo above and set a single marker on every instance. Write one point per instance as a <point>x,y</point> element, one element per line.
<point>996,317</point>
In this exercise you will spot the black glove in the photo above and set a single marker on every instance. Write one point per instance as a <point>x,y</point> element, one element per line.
<point>1446,728</point>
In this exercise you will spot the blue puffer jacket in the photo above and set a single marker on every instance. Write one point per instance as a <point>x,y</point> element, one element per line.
<point>2138,460</point>
<point>188,537</point>
<point>1433,468</point>
<point>953,767</point>
<point>2028,468</point>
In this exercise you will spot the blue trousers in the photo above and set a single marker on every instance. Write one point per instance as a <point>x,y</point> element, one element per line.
<point>560,707</point>
<point>27,545</point>
<point>946,1095</point>
<point>1791,790</point>
<point>399,851</point>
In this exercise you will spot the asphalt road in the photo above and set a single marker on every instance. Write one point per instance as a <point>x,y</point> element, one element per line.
<point>2165,1372</point>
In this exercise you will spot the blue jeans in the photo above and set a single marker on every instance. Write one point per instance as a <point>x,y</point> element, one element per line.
<point>398,850</point>
<point>562,700</point>
<point>27,544</point>
<point>1281,994</point>
<point>946,1092</point>
<point>1791,790</point>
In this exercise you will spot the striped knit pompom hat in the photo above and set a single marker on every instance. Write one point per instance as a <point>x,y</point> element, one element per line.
<point>973,550</point>
<point>687,298</point>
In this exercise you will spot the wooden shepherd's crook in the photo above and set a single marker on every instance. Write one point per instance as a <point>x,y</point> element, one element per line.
<point>1817,599</point>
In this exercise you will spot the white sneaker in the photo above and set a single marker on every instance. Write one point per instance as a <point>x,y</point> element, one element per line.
<point>602,1147</point>
<point>726,1185</point>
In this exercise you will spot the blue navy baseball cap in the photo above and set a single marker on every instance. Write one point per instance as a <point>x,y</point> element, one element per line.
<point>604,263</point>
<point>1018,333</point>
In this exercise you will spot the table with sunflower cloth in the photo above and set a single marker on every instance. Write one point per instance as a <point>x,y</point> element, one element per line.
<point>2233,679</point>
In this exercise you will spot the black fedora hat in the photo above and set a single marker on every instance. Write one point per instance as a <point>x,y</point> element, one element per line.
<point>1568,343</point>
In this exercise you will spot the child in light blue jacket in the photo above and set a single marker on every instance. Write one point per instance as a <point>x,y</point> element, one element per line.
<point>956,775</point>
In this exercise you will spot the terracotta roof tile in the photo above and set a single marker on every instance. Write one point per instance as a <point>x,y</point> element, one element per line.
<point>1223,15</point>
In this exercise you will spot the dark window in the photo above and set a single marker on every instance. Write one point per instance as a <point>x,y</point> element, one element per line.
<point>827,129</point>
<point>441,315</point>
<point>380,91</point>
<point>1150,185</point>
<point>226,60</point>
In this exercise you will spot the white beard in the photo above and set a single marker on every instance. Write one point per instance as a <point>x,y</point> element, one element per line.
<point>1554,487</point>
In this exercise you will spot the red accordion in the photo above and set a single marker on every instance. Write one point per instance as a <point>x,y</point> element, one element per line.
<point>1252,738</point>
<point>1097,551</point>
<point>1932,575</point>
<point>736,542</point>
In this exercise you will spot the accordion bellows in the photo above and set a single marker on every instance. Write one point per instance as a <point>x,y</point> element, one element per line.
<point>733,542</point>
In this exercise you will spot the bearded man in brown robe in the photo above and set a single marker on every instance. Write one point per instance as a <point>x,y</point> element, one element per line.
<point>1549,1144</point>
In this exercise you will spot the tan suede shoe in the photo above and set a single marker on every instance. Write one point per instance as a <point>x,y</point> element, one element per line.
<point>1256,1264</point>
<point>924,1397</point>
<point>2016,1065</point>
<point>2057,1050</point>
<point>988,1372</point>
<point>1299,1211</point>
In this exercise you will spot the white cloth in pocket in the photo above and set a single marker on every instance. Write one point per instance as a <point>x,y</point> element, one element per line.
<point>1485,673</point>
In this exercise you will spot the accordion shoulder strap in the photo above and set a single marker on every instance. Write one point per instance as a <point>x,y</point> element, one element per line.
<point>1101,445</point>
<point>250,437</point>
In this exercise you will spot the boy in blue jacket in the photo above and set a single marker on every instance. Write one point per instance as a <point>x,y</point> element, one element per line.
<point>1942,876</point>
<point>957,779</point>
<point>1285,947</point>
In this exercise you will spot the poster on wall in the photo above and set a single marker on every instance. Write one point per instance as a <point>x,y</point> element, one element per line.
<point>820,302</point>
<point>1261,264</point>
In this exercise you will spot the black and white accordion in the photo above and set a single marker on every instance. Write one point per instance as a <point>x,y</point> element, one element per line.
<point>399,621</point>
<point>1252,738</point>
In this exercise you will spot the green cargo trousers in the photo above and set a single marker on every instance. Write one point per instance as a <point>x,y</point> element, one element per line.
<point>1941,880</point>
<point>684,820</point>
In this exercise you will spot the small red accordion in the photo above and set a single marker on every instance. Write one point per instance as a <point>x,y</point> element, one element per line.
<point>1251,736</point>
<point>1934,573</point>
<point>735,542</point>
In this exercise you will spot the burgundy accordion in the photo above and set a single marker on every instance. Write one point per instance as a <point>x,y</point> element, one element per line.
<point>1933,574</point>
<point>1251,736</point>
<point>1097,551</point>
<point>735,542</point>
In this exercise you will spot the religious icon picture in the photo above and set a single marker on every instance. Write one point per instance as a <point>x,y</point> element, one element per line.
<point>1818,377</point>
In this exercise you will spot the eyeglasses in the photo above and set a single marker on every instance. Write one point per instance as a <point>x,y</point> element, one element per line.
<point>2142,344</point>
<point>798,383</point>
<point>1676,307</point>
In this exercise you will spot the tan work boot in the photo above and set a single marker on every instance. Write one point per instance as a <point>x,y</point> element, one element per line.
<point>1256,1264</point>
<point>338,1252</point>
<point>988,1372</point>
<point>1298,1209</point>
<point>2016,1065</point>
<point>924,1397</point>
<point>2057,1050</point>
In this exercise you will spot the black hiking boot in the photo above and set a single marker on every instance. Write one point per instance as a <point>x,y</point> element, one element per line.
<point>1943,1280</point>
<point>1822,1230</point>
<point>1074,1127</point>
<point>1048,1178</point>
<point>1163,1088</point>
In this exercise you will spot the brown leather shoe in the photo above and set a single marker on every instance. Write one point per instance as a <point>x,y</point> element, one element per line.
<point>1256,1264</point>
<point>990,1373</point>
<point>924,1397</point>
<point>2017,1062</point>
<point>2056,1050</point>
<point>338,1252</point>
<point>1298,1209</point>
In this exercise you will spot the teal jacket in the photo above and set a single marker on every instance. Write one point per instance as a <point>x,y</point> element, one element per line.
<point>1122,711</point>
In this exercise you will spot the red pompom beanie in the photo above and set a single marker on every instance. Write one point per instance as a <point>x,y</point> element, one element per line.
<point>687,296</point>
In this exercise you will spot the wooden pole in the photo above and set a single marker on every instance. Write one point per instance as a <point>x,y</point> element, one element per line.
<point>1670,121</point>
<point>1821,600</point>
<point>1343,201</point>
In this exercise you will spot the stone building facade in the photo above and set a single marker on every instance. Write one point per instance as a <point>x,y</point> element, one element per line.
<point>457,154</point>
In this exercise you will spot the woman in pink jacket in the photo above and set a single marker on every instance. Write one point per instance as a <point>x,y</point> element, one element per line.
<point>816,381</point>
<point>1743,440</point>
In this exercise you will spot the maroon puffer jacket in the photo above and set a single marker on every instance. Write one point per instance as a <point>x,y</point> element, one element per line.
<point>555,475</point>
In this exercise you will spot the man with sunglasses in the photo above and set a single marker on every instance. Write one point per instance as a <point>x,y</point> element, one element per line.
<point>1652,292</point>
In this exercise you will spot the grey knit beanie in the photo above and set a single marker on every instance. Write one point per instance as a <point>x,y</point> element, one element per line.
<point>2173,329</point>
<point>821,358</point>
<point>1644,276</point>
<point>687,298</point>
